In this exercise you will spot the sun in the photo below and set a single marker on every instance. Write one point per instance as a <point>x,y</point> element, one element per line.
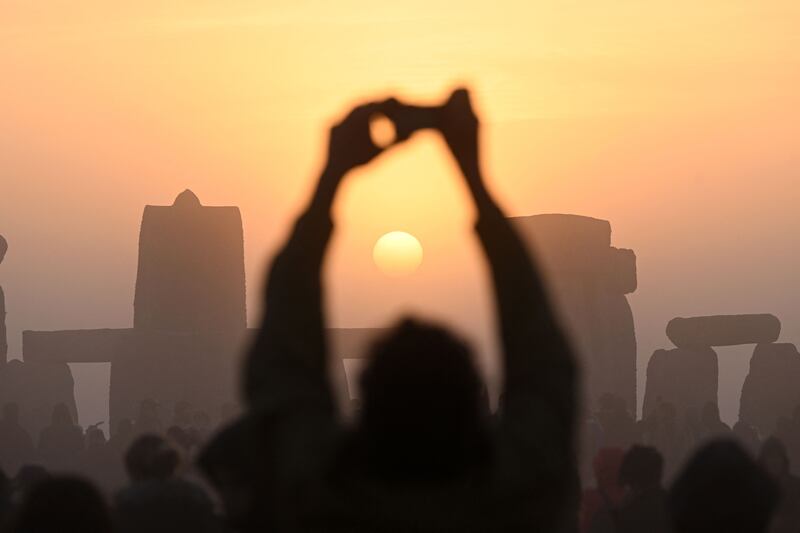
<point>397,253</point>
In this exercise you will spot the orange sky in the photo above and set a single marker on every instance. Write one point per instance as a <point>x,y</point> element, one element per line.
<point>678,122</point>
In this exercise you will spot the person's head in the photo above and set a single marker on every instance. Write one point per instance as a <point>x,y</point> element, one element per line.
<point>28,476</point>
<point>61,415</point>
<point>641,468</point>
<point>151,458</point>
<point>95,438</point>
<point>423,415</point>
<point>606,465</point>
<point>722,489</point>
<point>62,504</point>
<point>11,413</point>
<point>773,458</point>
<point>237,463</point>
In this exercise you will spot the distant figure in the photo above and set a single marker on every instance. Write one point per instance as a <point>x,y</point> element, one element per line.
<point>61,443</point>
<point>148,419</point>
<point>711,427</point>
<point>122,436</point>
<point>62,504</point>
<point>422,455</point>
<point>644,509</point>
<point>99,462</point>
<point>775,460</point>
<point>16,445</point>
<point>3,334</point>
<point>599,505</point>
<point>722,489</point>
<point>619,426</point>
<point>241,475</point>
<point>157,500</point>
<point>26,479</point>
<point>119,442</point>
<point>747,436</point>
<point>661,431</point>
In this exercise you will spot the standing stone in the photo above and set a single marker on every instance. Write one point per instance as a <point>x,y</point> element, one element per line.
<point>771,389</point>
<point>588,280</point>
<point>36,389</point>
<point>189,315</point>
<point>685,378</point>
<point>3,334</point>
<point>191,268</point>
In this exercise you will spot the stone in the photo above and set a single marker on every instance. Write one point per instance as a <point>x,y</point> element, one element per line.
<point>191,268</point>
<point>189,315</point>
<point>687,378</point>
<point>588,280</point>
<point>37,388</point>
<point>770,390</point>
<point>723,330</point>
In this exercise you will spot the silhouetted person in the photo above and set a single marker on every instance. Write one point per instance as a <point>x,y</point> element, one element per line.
<point>722,490</point>
<point>119,442</point>
<point>241,475</point>
<point>157,500</point>
<point>599,504</point>
<point>61,443</point>
<point>62,504</point>
<point>3,335</point>
<point>98,460</point>
<point>747,436</point>
<point>619,426</point>
<point>775,460</point>
<point>26,479</point>
<point>148,419</point>
<point>422,456</point>
<point>711,427</point>
<point>662,432</point>
<point>644,509</point>
<point>16,445</point>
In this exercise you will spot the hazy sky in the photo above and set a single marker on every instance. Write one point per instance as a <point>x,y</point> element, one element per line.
<point>677,121</point>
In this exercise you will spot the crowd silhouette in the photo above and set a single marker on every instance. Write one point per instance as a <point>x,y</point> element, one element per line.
<point>425,452</point>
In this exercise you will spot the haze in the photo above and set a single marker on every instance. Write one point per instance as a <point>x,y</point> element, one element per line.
<point>676,121</point>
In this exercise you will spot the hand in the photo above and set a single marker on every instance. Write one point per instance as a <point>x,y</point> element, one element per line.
<point>350,143</point>
<point>459,126</point>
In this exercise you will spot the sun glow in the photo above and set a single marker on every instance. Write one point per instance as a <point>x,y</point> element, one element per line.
<point>397,253</point>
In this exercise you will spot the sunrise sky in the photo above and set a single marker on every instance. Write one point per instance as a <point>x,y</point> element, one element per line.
<point>677,121</point>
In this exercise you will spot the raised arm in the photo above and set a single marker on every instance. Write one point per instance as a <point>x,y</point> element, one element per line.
<point>539,392</point>
<point>286,369</point>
